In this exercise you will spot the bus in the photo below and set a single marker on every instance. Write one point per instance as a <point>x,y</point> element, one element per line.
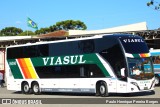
<point>155,54</point>
<point>100,64</point>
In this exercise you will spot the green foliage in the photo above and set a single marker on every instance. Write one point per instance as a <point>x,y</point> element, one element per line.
<point>42,31</point>
<point>71,24</point>
<point>26,33</point>
<point>10,31</point>
<point>154,4</point>
<point>53,28</point>
<point>150,3</point>
<point>62,25</point>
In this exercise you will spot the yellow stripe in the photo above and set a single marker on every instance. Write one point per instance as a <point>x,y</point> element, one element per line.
<point>146,54</point>
<point>31,68</point>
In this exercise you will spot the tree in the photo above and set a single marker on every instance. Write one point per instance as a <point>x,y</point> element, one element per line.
<point>71,24</point>
<point>26,33</point>
<point>11,31</point>
<point>43,31</point>
<point>53,28</point>
<point>154,4</point>
<point>62,25</point>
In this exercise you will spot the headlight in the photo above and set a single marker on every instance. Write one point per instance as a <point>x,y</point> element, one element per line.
<point>134,83</point>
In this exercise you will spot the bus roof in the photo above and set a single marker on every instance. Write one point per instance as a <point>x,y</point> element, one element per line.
<point>65,39</point>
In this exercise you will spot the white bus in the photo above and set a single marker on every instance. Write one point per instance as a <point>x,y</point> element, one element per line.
<point>155,53</point>
<point>101,64</point>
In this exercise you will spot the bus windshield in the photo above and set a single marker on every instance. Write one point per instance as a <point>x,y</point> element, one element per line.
<point>140,68</point>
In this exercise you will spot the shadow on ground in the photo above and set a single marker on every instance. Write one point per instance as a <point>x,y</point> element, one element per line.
<point>86,94</point>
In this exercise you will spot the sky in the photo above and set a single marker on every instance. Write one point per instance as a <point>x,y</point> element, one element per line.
<point>96,14</point>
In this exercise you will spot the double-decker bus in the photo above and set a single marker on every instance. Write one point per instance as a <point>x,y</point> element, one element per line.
<point>155,54</point>
<point>101,64</point>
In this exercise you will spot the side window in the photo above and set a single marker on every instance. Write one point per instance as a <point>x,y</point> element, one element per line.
<point>86,46</point>
<point>43,50</point>
<point>69,71</point>
<point>83,72</point>
<point>95,71</point>
<point>91,70</point>
<point>35,51</point>
<point>13,53</point>
<point>28,51</point>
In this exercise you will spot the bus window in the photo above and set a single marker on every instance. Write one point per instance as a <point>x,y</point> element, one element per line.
<point>91,71</point>
<point>82,72</point>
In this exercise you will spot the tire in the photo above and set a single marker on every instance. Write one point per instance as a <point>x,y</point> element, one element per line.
<point>157,81</point>
<point>35,88</point>
<point>25,88</point>
<point>102,89</point>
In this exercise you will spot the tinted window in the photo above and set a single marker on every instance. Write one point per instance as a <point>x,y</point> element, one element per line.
<point>71,48</point>
<point>69,71</point>
<point>27,51</point>
<point>13,53</point>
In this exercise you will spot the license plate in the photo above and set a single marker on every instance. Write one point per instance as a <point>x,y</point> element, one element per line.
<point>145,88</point>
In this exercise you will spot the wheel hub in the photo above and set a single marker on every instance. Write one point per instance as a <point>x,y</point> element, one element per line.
<point>36,88</point>
<point>102,89</point>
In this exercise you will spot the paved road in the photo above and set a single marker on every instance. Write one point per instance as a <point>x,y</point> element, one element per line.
<point>4,93</point>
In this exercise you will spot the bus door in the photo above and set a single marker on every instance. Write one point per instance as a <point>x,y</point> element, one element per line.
<point>85,80</point>
<point>121,73</point>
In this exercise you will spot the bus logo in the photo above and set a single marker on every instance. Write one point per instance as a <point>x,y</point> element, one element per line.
<point>133,40</point>
<point>77,59</point>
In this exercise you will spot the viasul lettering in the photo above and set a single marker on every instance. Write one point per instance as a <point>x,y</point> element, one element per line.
<point>76,59</point>
<point>132,40</point>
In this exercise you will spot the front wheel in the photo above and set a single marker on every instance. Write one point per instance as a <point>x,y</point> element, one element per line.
<point>157,80</point>
<point>102,89</point>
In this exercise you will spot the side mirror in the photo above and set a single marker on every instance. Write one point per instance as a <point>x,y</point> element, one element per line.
<point>123,72</point>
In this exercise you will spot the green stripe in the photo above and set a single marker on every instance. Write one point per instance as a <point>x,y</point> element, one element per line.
<point>93,59</point>
<point>39,61</point>
<point>136,55</point>
<point>87,58</point>
<point>15,69</point>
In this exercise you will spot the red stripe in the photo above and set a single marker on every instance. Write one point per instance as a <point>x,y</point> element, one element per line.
<point>20,61</point>
<point>144,55</point>
<point>26,69</point>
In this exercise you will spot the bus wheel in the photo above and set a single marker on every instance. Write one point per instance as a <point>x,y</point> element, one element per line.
<point>35,88</point>
<point>157,80</point>
<point>25,88</point>
<point>102,89</point>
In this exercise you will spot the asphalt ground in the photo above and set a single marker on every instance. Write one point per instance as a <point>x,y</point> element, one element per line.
<point>78,100</point>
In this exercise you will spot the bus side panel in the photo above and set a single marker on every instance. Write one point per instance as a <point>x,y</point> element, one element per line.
<point>13,84</point>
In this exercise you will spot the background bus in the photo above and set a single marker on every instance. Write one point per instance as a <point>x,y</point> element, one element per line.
<point>155,53</point>
<point>99,64</point>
